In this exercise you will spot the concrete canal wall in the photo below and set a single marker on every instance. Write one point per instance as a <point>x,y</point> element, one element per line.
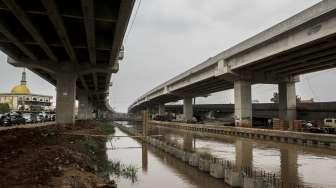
<point>291,137</point>
<point>233,175</point>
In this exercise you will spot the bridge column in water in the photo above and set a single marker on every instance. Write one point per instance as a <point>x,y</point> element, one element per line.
<point>243,103</point>
<point>83,107</point>
<point>187,108</point>
<point>162,109</point>
<point>244,154</point>
<point>287,101</point>
<point>289,165</point>
<point>65,98</point>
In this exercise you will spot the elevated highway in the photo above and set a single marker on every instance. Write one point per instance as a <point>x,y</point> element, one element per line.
<point>73,44</point>
<point>305,111</point>
<point>301,44</point>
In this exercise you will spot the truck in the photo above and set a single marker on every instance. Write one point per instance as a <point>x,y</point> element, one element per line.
<point>330,125</point>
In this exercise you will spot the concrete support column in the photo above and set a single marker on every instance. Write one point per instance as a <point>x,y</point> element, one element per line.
<point>289,166</point>
<point>287,101</point>
<point>244,154</point>
<point>243,103</point>
<point>65,98</point>
<point>162,109</point>
<point>187,109</point>
<point>83,107</point>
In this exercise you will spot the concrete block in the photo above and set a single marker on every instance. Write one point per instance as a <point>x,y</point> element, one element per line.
<point>193,159</point>
<point>233,178</point>
<point>185,156</point>
<point>255,183</point>
<point>216,170</point>
<point>204,165</point>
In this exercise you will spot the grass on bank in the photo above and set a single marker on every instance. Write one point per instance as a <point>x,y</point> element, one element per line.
<point>107,128</point>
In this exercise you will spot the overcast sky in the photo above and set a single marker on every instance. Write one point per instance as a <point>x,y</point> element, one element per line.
<point>170,36</point>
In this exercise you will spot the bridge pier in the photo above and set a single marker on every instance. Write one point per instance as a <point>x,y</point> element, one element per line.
<point>244,154</point>
<point>289,166</point>
<point>287,101</point>
<point>83,107</point>
<point>187,108</point>
<point>65,98</point>
<point>243,103</point>
<point>162,109</point>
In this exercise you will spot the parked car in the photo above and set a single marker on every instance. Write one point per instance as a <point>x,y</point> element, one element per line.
<point>5,120</point>
<point>30,117</point>
<point>53,117</point>
<point>17,119</point>
<point>312,128</point>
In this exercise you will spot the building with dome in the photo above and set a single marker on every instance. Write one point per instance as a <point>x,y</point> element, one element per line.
<point>21,99</point>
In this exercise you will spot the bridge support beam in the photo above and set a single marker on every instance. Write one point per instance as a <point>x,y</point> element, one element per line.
<point>243,103</point>
<point>83,107</point>
<point>162,109</point>
<point>187,109</point>
<point>65,98</point>
<point>287,101</point>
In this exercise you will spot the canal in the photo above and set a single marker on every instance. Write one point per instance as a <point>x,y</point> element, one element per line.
<point>311,167</point>
<point>154,167</point>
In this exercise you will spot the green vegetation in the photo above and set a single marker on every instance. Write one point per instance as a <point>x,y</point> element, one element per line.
<point>89,145</point>
<point>107,128</point>
<point>4,108</point>
<point>118,169</point>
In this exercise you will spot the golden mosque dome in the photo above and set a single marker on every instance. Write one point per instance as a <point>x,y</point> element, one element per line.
<point>22,88</point>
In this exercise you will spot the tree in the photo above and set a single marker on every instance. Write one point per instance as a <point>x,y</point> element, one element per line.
<point>275,98</point>
<point>4,108</point>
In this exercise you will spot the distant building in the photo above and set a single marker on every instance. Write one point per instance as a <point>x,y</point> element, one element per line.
<point>21,99</point>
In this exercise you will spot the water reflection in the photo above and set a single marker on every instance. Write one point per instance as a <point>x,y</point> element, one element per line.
<point>313,167</point>
<point>158,169</point>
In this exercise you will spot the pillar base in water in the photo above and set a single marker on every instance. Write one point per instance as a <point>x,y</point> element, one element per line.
<point>193,160</point>
<point>254,183</point>
<point>233,178</point>
<point>204,165</point>
<point>216,170</point>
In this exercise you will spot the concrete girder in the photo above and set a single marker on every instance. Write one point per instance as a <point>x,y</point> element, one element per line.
<point>121,28</point>
<point>57,21</point>
<point>88,14</point>
<point>309,64</point>
<point>26,22</point>
<point>305,35</point>
<point>16,41</point>
<point>296,54</point>
<point>95,81</point>
<point>299,61</point>
<point>45,65</point>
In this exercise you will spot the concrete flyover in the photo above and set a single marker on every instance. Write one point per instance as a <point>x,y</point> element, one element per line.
<point>75,45</point>
<point>305,111</point>
<point>301,44</point>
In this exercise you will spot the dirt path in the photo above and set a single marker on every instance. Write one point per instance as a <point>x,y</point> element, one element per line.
<point>42,156</point>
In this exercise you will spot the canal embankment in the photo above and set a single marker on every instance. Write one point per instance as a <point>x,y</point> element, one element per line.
<point>291,137</point>
<point>54,156</point>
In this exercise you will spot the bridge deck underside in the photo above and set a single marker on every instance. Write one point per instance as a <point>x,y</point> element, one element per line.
<point>83,35</point>
<point>311,57</point>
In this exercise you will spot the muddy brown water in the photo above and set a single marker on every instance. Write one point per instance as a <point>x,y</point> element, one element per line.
<point>311,167</point>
